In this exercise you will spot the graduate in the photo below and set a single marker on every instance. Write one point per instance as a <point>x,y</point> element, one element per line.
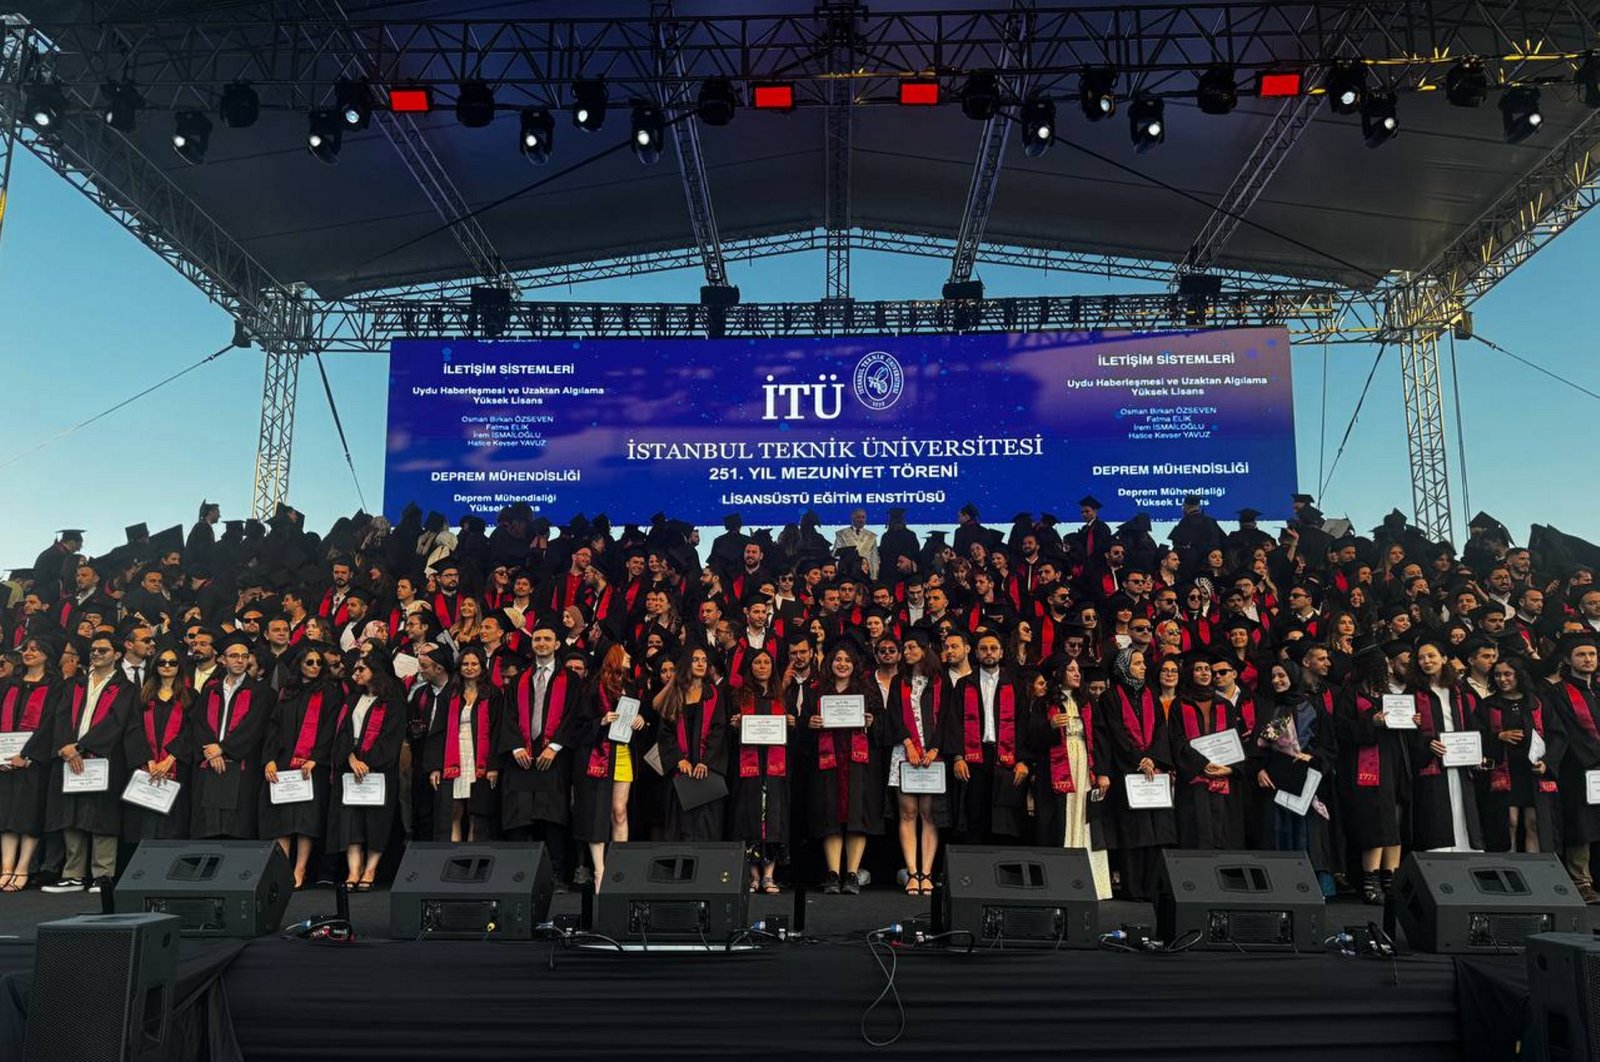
<point>25,703</point>
<point>1444,806</point>
<point>535,763</point>
<point>368,735</point>
<point>1572,702</point>
<point>601,793</point>
<point>299,738</point>
<point>1209,811</point>
<point>915,709</point>
<point>1138,744</point>
<point>159,741</point>
<point>231,715</point>
<point>1374,780</point>
<point>989,741</point>
<point>760,773</point>
<point>1070,774</point>
<point>1522,786</point>
<point>693,743</point>
<point>1294,736</point>
<point>847,783</point>
<point>463,770</point>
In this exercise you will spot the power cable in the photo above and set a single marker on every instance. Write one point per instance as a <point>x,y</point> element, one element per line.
<point>333,407</point>
<point>1535,366</point>
<point>1322,488</point>
<point>1461,427</point>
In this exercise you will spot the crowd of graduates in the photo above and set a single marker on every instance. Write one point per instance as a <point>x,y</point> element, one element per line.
<point>1050,683</point>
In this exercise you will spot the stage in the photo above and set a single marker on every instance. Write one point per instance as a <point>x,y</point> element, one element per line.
<point>378,998</point>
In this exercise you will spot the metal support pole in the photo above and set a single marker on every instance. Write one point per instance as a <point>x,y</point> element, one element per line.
<point>11,44</point>
<point>836,153</point>
<point>1424,401</point>
<point>275,444</point>
<point>991,150</point>
<point>677,101</point>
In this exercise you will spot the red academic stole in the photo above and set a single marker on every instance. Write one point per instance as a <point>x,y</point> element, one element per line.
<point>1429,729</point>
<point>1580,708</point>
<point>1005,724</point>
<point>31,711</point>
<point>1368,774</point>
<point>340,615</point>
<point>306,740</point>
<point>241,708</point>
<point>1060,762</point>
<point>102,704</point>
<point>452,737</point>
<point>828,749</point>
<point>1193,727</point>
<point>1142,728</point>
<point>371,727</point>
<point>708,708</point>
<point>750,755</point>
<point>555,706</point>
<point>908,712</point>
<point>445,607</point>
<point>158,747</point>
<point>1500,775</point>
<point>600,756</point>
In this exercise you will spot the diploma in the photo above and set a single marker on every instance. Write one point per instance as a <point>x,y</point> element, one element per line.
<point>1536,748</point>
<point>143,791</point>
<point>1299,803</point>
<point>915,781</point>
<point>652,759</point>
<point>292,787</point>
<point>11,744</point>
<point>367,793</point>
<point>1222,748</point>
<point>842,710</point>
<point>1399,710</point>
<point>764,729</point>
<point>622,727</point>
<point>1591,786</point>
<point>96,777</point>
<point>1146,793</point>
<point>1462,748</point>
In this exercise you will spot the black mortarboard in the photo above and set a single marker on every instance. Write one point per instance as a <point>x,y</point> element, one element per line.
<point>897,514</point>
<point>1023,518</point>
<point>446,563</point>
<point>137,533</point>
<point>1483,520</point>
<point>359,591</point>
<point>233,638</point>
<point>71,532</point>
<point>1191,499</point>
<point>733,521</point>
<point>1091,501</point>
<point>1577,639</point>
<point>1310,516</point>
<point>1242,623</point>
<point>167,541</point>
<point>207,506</point>
<point>1364,644</point>
<point>19,575</point>
<point>935,537</point>
<point>970,510</point>
<point>763,538</point>
<point>234,526</point>
<point>1247,514</point>
<point>1303,499</point>
<point>1049,519</point>
<point>1396,647</point>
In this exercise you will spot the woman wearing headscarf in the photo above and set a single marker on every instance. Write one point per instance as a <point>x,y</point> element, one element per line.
<point>1293,736</point>
<point>1139,744</point>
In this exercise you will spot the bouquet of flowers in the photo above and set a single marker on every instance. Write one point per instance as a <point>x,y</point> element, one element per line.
<point>1280,734</point>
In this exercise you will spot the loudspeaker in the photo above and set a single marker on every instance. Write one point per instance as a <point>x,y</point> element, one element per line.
<point>677,893</point>
<point>470,891</point>
<point>1564,997</point>
<point>215,888</point>
<point>1021,897</point>
<point>103,989</point>
<point>1236,901</point>
<point>1483,902</point>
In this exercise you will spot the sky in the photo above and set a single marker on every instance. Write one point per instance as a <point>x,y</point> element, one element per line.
<point>88,317</point>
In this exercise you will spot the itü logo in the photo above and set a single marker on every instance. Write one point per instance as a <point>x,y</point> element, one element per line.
<point>785,401</point>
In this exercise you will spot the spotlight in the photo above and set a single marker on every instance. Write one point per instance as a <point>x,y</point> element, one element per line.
<point>717,102</point>
<point>1379,121</point>
<point>325,135</point>
<point>191,136</point>
<point>120,104</point>
<point>1097,94</point>
<point>538,135</point>
<point>353,102</point>
<point>1346,86</point>
<point>1217,93</point>
<point>649,130</point>
<point>240,106</point>
<point>1466,84</point>
<point>45,105</point>
<point>474,104</point>
<point>1038,126</point>
<point>1519,113</point>
<point>1588,76</point>
<point>980,96</point>
<point>1147,124</point>
<point>589,105</point>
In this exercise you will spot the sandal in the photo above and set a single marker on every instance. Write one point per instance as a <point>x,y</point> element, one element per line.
<point>17,883</point>
<point>5,880</point>
<point>911,883</point>
<point>926,888</point>
<point>769,886</point>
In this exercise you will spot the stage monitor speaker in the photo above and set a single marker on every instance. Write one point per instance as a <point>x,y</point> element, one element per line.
<point>1564,998</point>
<point>1483,902</point>
<point>103,989</point>
<point>672,893</point>
<point>1236,901</point>
<point>1021,897</point>
<point>470,891</point>
<point>214,888</point>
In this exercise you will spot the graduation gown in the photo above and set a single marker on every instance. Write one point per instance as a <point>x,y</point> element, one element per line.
<point>1574,707</point>
<point>847,771</point>
<point>377,744</point>
<point>1320,742</point>
<point>699,735</point>
<point>26,707</point>
<point>483,730</point>
<point>527,794</point>
<point>596,760</point>
<point>1433,795</point>
<point>1052,779</point>
<point>1511,782</point>
<point>97,813</point>
<point>300,728</point>
<point>1374,780</point>
<point>1133,728</point>
<point>157,730</point>
<point>228,804</point>
<point>758,779</point>
<point>923,722</point>
<point>1209,810</point>
<point>990,801</point>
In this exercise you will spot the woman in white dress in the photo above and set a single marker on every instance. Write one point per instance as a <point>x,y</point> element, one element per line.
<point>1068,779</point>
<point>460,753</point>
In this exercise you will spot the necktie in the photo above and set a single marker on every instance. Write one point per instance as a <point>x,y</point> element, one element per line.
<point>541,681</point>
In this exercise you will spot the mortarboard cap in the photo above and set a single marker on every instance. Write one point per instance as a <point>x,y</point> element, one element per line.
<point>1049,519</point>
<point>1090,501</point>
<point>1191,499</point>
<point>1247,514</point>
<point>1023,518</point>
<point>733,521</point>
<point>1395,648</point>
<point>137,533</point>
<point>168,540</point>
<point>446,563</point>
<point>1577,640</point>
<point>1303,499</point>
<point>71,532</point>
<point>969,510</point>
<point>19,575</point>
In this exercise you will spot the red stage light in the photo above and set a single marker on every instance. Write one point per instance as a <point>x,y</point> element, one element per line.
<point>1278,85</point>
<point>411,100</point>
<point>919,93</point>
<point>773,96</point>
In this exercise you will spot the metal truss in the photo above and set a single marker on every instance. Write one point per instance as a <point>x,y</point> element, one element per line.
<point>677,100</point>
<point>840,19</point>
<point>1425,440</point>
<point>991,149</point>
<point>183,62</point>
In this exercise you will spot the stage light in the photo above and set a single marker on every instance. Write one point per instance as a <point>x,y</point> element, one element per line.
<point>919,92</point>
<point>1380,122</point>
<point>1466,84</point>
<point>353,103</point>
<point>1588,77</point>
<point>1038,126</point>
<point>1147,124</point>
<point>191,136</point>
<point>240,106</point>
<point>980,96</point>
<point>649,131</point>
<point>538,139</point>
<point>1346,86</point>
<point>411,99</point>
<point>1217,93</point>
<point>589,105</point>
<point>1097,94</point>
<point>772,96</point>
<point>718,102</point>
<point>45,105</point>
<point>1278,84</point>
<point>1519,113</point>
<point>474,104</point>
<point>325,135</point>
<point>120,104</point>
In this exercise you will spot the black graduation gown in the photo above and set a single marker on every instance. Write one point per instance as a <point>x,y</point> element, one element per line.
<point>1209,811</point>
<point>760,810</point>
<point>1431,822</point>
<point>847,797</point>
<point>282,733</point>
<point>1049,806</point>
<point>706,745</point>
<point>227,804</point>
<point>1145,827</point>
<point>1322,746</point>
<point>990,801</point>
<point>593,752</point>
<point>156,717</point>
<point>380,751</point>
<point>97,813</point>
<point>1580,820</point>
<point>1374,772</point>
<point>484,801</point>
<point>1511,781</point>
<point>802,765</point>
<point>22,789</point>
<point>529,796</point>
<point>929,710</point>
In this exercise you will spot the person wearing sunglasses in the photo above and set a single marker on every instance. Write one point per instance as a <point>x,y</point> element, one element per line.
<point>370,729</point>
<point>300,738</point>
<point>160,741</point>
<point>25,702</point>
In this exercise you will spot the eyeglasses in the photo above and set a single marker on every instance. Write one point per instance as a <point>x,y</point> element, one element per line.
<point>311,661</point>
<point>888,650</point>
<point>166,663</point>
<point>101,650</point>
<point>1140,627</point>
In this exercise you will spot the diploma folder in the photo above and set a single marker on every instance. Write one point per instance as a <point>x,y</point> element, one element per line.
<point>698,792</point>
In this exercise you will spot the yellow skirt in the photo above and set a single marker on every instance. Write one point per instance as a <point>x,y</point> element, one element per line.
<point>624,771</point>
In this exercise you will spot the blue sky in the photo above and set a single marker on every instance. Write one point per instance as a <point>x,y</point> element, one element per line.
<point>91,317</point>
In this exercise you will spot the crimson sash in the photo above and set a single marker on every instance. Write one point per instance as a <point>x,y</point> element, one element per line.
<point>555,706</point>
<point>1061,763</point>
<point>600,755</point>
<point>158,749</point>
<point>371,727</point>
<point>102,704</point>
<point>305,741</point>
<point>750,755</point>
<point>241,708</point>
<point>908,712</point>
<point>32,711</point>
<point>1500,774</point>
<point>1142,729</point>
<point>1005,725</point>
<point>708,708</point>
<point>452,737</point>
<point>1369,772</point>
<point>1193,728</point>
<point>1580,708</point>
